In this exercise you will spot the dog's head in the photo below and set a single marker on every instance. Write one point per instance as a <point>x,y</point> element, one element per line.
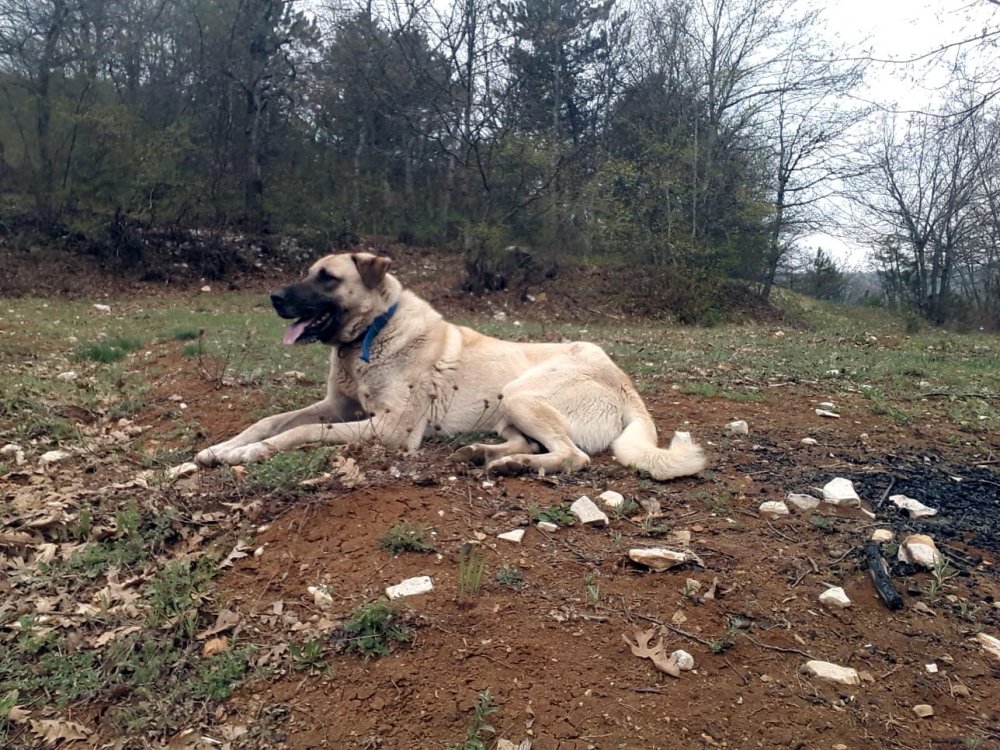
<point>337,300</point>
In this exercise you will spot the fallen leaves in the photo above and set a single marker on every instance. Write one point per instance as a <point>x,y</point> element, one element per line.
<point>656,652</point>
<point>52,731</point>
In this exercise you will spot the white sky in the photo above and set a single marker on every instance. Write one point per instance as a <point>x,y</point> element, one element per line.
<point>898,30</point>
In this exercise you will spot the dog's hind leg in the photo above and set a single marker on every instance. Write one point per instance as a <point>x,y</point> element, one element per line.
<point>484,453</point>
<point>535,417</point>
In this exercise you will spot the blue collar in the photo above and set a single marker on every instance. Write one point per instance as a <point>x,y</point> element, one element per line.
<point>373,330</point>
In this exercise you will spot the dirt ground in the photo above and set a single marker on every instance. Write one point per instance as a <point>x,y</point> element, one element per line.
<point>552,650</point>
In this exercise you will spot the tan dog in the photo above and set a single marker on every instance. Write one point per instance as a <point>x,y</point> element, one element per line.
<point>400,372</point>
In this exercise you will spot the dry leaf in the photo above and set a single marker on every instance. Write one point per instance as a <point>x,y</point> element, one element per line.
<point>52,731</point>
<point>240,550</point>
<point>215,646</point>
<point>655,653</point>
<point>225,620</point>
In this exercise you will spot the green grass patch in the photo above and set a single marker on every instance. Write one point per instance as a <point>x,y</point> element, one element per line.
<point>185,334</point>
<point>404,537</point>
<point>373,629</point>
<point>552,514</point>
<point>106,351</point>
<point>284,472</point>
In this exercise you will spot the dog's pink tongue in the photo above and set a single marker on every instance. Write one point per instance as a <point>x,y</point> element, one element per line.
<point>293,331</point>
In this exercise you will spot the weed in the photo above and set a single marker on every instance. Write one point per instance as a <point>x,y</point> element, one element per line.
<point>699,388</point>
<point>690,588</point>
<point>653,527</point>
<point>139,538</point>
<point>471,566</point>
<point>175,593</point>
<point>725,641</point>
<point>474,735</point>
<point>552,514</point>
<point>308,656</point>
<point>593,589</point>
<point>194,349</point>
<point>108,350</point>
<point>823,523</point>
<point>404,537</point>
<point>284,472</point>
<point>628,508</point>
<point>372,629</point>
<point>941,573</point>
<point>7,703</point>
<point>185,334</point>
<point>743,396</point>
<point>219,674</point>
<point>508,575</point>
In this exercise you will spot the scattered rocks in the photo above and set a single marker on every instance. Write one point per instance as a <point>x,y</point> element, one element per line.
<point>612,499</point>
<point>828,671</point>
<point>915,508</point>
<point>881,535</point>
<point>683,660</point>
<point>738,427</point>
<point>659,559</point>
<point>774,508</point>
<point>547,526</point>
<point>923,710</point>
<point>587,512</point>
<point>12,449</point>
<point>410,587</point>
<point>931,668</point>
<point>919,549</point>
<point>990,644</point>
<point>68,376</point>
<point>321,596</point>
<point>803,502</point>
<point>835,597</point>
<point>827,413</point>
<point>102,308</point>
<point>53,457</point>
<point>512,536</point>
<point>840,491</point>
<point>809,441</point>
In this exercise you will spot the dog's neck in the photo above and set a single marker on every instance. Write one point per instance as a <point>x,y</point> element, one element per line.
<point>373,330</point>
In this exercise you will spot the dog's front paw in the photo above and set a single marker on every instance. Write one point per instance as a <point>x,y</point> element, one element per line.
<point>507,467</point>
<point>470,454</point>
<point>210,456</point>
<point>247,454</point>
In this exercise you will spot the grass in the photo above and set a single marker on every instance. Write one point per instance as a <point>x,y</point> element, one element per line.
<point>404,537</point>
<point>510,576</point>
<point>478,729</point>
<point>108,350</point>
<point>284,472</point>
<point>373,629</point>
<point>471,567</point>
<point>308,656</point>
<point>552,514</point>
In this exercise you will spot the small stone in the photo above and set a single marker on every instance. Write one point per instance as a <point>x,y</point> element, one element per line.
<point>923,710</point>
<point>68,376</point>
<point>827,671</point>
<point>827,405</point>
<point>881,535</point>
<point>990,644</point>
<point>660,558</point>
<point>296,375</point>
<point>919,549</point>
<point>774,508</point>
<point>738,427</point>
<point>931,668</point>
<point>692,585</point>
<point>683,660</point>
<point>206,289</point>
<point>684,437</point>
<point>961,691</point>
<point>321,596</point>
<point>587,512</point>
<point>512,536</point>
<point>547,526</point>
<point>52,457</point>
<point>915,508</point>
<point>809,441</point>
<point>680,537</point>
<point>215,646</point>
<point>827,413</point>
<point>505,745</point>
<point>803,502</point>
<point>410,587</point>
<point>10,449</point>
<point>612,499</point>
<point>835,597</point>
<point>841,491</point>
<point>924,609</point>
<point>102,308</point>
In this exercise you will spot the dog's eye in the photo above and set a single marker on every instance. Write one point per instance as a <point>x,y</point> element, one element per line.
<point>325,276</point>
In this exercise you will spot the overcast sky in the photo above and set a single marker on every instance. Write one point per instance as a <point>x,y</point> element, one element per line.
<point>900,30</point>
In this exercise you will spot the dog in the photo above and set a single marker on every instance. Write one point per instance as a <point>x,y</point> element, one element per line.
<point>399,373</point>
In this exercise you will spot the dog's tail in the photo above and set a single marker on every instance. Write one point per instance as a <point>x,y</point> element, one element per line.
<point>636,446</point>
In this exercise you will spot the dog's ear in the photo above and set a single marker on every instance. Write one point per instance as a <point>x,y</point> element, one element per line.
<point>372,268</point>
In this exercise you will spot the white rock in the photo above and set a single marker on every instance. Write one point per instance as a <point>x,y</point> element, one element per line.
<point>840,491</point>
<point>919,549</point>
<point>828,671</point>
<point>738,427</point>
<point>102,308</point>
<point>989,643</point>
<point>923,710</point>
<point>774,508</point>
<point>803,502</point>
<point>68,376</point>
<point>931,668</point>
<point>206,289</point>
<point>587,512</point>
<point>547,526</point>
<point>809,441</point>
<point>612,499</point>
<point>835,597</point>
<point>827,405</point>
<point>660,558</point>
<point>915,508</point>
<point>512,536</point>
<point>10,449</point>
<point>506,745</point>
<point>682,436</point>
<point>683,660</point>
<point>186,469</point>
<point>881,535</point>
<point>51,457</point>
<point>321,596</point>
<point>410,587</point>
<point>827,413</point>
